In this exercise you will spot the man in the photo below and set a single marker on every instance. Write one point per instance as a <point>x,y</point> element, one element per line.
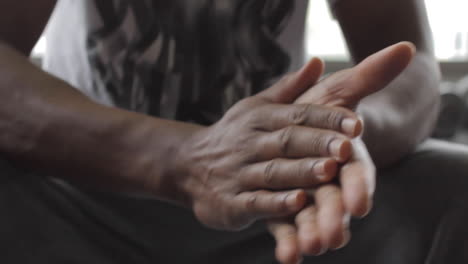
<point>174,47</point>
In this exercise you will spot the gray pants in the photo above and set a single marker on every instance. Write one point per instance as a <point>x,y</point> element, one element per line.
<point>420,216</point>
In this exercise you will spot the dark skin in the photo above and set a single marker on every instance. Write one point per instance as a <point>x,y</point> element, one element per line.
<point>197,160</point>
<point>48,125</point>
<point>41,111</point>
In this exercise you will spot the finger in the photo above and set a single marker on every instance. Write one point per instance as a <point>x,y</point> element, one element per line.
<point>287,248</point>
<point>378,70</point>
<point>301,142</point>
<point>293,85</point>
<point>346,88</point>
<point>265,204</point>
<point>308,231</point>
<point>287,174</point>
<point>357,179</point>
<point>274,117</point>
<point>331,216</point>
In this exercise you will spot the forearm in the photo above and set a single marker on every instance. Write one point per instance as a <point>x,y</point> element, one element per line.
<point>403,114</point>
<point>48,125</point>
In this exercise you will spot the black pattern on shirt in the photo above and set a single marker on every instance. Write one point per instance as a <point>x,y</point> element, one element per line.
<point>187,60</point>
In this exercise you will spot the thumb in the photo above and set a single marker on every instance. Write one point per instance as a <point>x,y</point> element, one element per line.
<point>293,85</point>
<point>347,87</point>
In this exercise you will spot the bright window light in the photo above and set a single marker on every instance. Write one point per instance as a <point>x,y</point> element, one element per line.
<point>448,19</point>
<point>449,23</point>
<point>323,34</point>
<point>40,48</point>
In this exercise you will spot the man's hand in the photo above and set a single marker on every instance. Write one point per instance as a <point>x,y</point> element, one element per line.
<point>255,162</point>
<point>323,224</point>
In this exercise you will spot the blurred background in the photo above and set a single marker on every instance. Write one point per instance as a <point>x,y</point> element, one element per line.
<point>449,23</point>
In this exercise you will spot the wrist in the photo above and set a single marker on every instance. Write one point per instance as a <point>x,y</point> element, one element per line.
<point>166,154</point>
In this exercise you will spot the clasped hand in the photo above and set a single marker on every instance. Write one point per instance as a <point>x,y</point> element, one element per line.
<point>274,156</point>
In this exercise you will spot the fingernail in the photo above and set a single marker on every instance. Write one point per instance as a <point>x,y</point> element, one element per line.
<point>351,127</point>
<point>340,149</point>
<point>322,251</point>
<point>368,209</point>
<point>412,46</point>
<point>326,169</point>
<point>346,239</point>
<point>346,220</point>
<point>293,201</point>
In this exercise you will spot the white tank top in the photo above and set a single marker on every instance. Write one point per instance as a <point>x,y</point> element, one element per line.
<point>70,58</point>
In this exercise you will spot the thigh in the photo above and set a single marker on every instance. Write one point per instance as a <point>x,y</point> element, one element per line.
<point>415,216</point>
<point>420,213</point>
<point>418,217</point>
<point>414,219</point>
<point>42,223</point>
<point>50,221</point>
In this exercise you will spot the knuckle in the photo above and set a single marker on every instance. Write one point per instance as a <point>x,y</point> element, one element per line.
<point>242,149</point>
<point>241,107</point>
<point>260,118</point>
<point>255,118</point>
<point>251,201</point>
<point>320,143</point>
<point>268,175</point>
<point>333,119</point>
<point>245,179</point>
<point>285,140</point>
<point>299,115</point>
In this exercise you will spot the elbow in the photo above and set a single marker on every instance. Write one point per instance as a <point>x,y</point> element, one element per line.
<point>431,109</point>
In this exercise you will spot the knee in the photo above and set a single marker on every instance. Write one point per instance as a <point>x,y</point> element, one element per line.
<point>435,161</point>
<point>433,176</point>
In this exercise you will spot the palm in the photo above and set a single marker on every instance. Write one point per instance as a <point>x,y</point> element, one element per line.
<point>320,225</point>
